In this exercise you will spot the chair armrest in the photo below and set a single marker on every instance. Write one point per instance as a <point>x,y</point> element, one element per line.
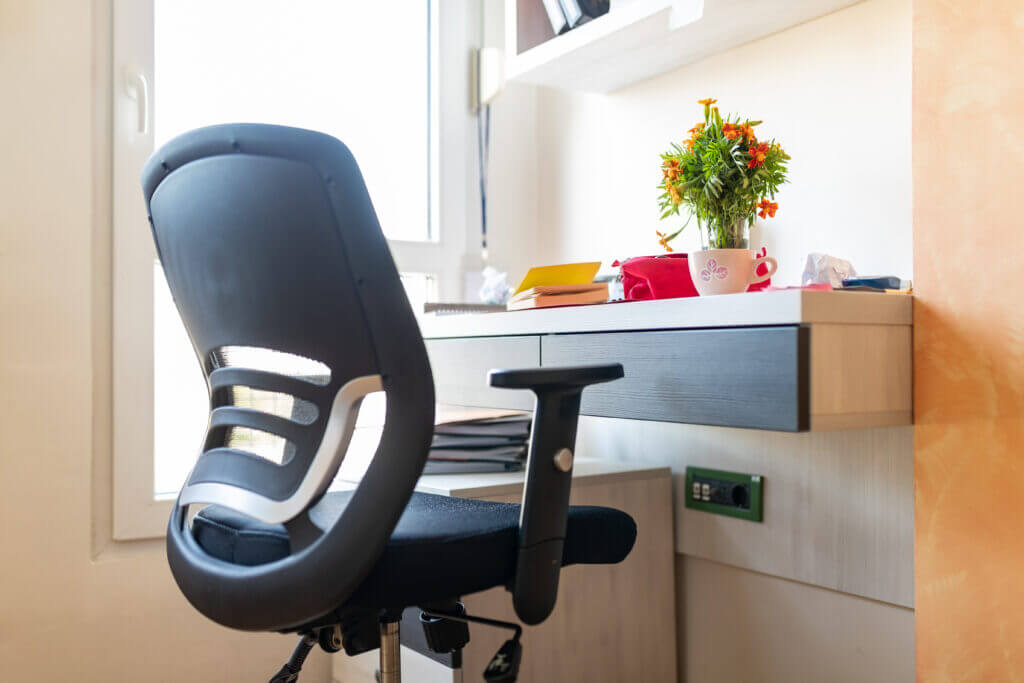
<point>539,378</point>
<point>545,509</point>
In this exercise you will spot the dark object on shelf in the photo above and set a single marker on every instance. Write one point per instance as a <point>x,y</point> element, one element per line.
<point>875,282</point>
<point>470,466</point>
<point>495,444</point>
<point>515,427</point>
<point>594,8</point>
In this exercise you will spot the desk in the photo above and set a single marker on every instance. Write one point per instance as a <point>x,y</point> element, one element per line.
<point>820,386</point>
<point>788,361</point>
<point>611,623</point>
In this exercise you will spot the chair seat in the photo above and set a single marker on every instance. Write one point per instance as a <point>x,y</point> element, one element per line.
<point>442,547</point>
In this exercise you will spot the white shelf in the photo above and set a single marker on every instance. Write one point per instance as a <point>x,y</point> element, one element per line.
<point>646,38</point>
<point>787,307</point>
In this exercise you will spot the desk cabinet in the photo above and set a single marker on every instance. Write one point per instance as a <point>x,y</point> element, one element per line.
<point>790,361</point>
<point>611,623</point>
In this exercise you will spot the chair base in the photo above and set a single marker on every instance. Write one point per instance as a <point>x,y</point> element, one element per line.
<point>390,670</point>
<point>445,630</point>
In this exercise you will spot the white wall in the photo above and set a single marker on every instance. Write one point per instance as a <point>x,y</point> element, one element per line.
<point>834,91</point>
<point>512,217</point>
<point>74,606</point>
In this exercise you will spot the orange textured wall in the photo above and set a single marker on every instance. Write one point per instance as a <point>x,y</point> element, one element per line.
<point>969,338</point>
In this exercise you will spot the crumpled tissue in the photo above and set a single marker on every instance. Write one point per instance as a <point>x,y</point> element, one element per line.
<point>495,289</point>
<point>828,270</point>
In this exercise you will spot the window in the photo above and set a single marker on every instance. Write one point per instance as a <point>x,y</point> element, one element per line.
<point>391,85</point>
<point>321,64</point>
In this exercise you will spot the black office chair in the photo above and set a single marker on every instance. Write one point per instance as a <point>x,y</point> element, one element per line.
<point>272,251</point>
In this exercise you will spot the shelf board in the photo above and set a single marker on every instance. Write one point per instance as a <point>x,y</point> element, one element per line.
<point>786,307</point>
<point>649,37</point>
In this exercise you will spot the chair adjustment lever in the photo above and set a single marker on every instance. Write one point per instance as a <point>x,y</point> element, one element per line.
<point>289,673</point>
<point>504,665</point>
<point>445,634</point>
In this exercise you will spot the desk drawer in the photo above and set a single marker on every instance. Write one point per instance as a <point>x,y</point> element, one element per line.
<point>460,368</point>
<point>755,377</point>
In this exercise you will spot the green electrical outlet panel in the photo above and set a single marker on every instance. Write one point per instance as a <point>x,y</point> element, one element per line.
<point>725,493</point>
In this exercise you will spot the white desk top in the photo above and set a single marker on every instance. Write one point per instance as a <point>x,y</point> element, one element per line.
<point>585,470</point>
<point>786,307</point>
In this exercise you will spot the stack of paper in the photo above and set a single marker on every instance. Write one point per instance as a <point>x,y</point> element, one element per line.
<point>560,295</point>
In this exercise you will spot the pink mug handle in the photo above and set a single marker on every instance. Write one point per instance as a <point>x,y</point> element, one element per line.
<point>772,264</point>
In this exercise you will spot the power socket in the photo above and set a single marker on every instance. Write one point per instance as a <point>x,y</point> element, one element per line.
<point>725,493</point>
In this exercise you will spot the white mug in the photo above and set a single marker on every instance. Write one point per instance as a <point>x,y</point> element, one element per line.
<point>727,271</point>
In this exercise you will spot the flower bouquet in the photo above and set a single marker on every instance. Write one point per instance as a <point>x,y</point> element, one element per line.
<point>725,176</point>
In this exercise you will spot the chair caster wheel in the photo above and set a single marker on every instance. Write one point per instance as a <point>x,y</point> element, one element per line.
<point>330,639</point>
<point>504,666</point>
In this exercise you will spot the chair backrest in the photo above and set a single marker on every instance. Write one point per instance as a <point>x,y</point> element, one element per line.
<point>278,267</point>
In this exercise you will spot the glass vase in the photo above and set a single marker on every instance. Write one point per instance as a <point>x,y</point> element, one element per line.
<point>723,234</point>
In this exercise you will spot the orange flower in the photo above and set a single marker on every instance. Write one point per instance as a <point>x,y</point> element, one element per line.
<point>747,131</point>
<point>731,131</point>
<point>757,155</point>
<point>708,102</point>
<point>673,192</point>
<point>768,208</point>
<point>670,169</point>
<point>663,241</point>
<point>694,132</point>
<point>778,147</point>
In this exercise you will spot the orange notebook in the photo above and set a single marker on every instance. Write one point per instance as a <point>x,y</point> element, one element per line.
<point>559,295</point>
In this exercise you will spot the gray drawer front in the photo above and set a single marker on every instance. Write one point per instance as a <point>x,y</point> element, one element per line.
<point>740,377</point>
<point>460,370</point>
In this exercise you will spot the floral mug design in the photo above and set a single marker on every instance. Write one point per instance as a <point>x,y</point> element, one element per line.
<point>713,270</point>
<point>727,271</point>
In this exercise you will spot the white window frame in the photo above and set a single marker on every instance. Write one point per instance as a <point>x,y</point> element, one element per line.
<point>454,27</point>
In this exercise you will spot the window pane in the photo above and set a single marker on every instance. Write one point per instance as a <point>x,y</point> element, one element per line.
<point>355,70</point>
<point>181,404</point>
<point>419,288</point>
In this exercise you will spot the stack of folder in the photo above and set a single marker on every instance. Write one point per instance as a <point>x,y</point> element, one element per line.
<point>570,284</point>
<point>495,443</point>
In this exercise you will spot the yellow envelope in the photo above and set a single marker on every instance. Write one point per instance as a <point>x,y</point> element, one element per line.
<point>565,274</point>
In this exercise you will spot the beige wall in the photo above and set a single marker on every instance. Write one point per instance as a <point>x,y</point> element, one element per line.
<point>73,605</point>
<point>832,558</point>
<point>821,88</point>
<point>756,628</point>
